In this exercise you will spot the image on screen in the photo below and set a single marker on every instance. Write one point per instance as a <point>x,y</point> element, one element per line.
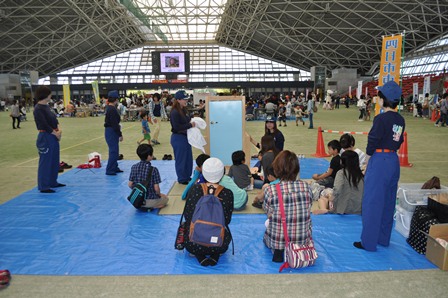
<point>172,62</point>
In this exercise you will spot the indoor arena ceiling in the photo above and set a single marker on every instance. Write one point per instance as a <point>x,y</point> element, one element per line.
<point>51,36</point>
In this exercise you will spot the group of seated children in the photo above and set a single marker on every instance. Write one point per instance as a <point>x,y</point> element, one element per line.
<point>346,195</point>
<point>238,180</point>
<point>341,187</point>
<point>343,184</point>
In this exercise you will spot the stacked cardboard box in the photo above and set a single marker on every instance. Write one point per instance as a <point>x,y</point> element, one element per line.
<point>435,251</point>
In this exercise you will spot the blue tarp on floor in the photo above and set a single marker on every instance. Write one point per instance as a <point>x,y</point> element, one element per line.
<point>88,228</point>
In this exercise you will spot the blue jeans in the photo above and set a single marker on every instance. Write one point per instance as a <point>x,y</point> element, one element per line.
<point>310,117</point>
<point>258,183</point>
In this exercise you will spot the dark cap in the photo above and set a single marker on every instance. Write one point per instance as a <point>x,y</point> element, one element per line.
<point>270,119</point>
<point>391,90</point>
<point>113,94</point>
<point>181,94</point>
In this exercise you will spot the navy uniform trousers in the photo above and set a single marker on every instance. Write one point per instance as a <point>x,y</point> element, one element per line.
<point>48,147</point>
<point>183,157</point>
<point>379,199</point>
<point>112,140</point>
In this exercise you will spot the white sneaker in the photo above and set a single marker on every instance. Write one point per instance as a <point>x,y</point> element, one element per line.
<point>250,187</point>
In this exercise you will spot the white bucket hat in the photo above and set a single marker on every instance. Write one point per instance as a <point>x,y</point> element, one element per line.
<point>213,170</point>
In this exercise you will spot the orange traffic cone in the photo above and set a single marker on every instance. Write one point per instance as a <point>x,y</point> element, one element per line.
<point>403,152</point>
<point>320,147</point>
<point>434,115</point>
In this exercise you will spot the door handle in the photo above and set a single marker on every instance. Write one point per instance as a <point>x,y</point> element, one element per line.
<point>213,122</point>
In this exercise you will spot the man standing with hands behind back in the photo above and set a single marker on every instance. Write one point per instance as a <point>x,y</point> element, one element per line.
<point>47,143</point>
<point>112,133</point>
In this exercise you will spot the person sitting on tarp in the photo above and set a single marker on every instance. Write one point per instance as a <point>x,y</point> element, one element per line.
<point>197,174</point>
<point>208,254</point>
<point>297,199</point>
<point>327,179</point>
<point>346,195</point>
<point>139,174</point>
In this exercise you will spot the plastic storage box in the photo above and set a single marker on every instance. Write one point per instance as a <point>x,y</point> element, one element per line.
<point>411,195</point>
<point>403,221</point>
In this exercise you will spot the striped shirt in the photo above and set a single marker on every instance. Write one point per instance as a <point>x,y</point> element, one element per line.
<point>297,198</point>
<point>362,157</point>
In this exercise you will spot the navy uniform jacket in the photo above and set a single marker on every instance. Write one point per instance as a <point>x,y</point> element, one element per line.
<point>386,132</point>
<point>112,119</point>
<point>45,119</point>
<point>179,123</point>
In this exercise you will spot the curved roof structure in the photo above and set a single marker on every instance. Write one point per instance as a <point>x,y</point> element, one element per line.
<point>51,36</point>
<point>334,34</point>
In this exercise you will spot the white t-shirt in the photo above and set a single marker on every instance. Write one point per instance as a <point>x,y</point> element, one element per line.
<point>362,157</point>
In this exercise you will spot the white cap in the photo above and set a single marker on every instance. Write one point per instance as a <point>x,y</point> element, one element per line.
<point>213,170</point>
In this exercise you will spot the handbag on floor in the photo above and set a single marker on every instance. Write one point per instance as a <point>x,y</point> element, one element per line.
<point>422,220</point>
<point>296,255</point>
<point>179,244</point>
<point>434,182</point>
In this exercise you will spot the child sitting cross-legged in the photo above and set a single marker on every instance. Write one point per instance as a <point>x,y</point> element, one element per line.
<point>256,172</point>
<point>240,172</point>
<point>327,179</point>
<point>139,174</point>
<point>242,181</point>
<point>259,198</point>
<point>197,174</point>
<point>348,143</point>
<point>346,195</point>
<point>325,202</point>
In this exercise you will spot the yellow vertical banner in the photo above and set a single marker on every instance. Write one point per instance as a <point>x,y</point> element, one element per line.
<point>390,61</point>
<point>66,94</point>
<point>96,91</point>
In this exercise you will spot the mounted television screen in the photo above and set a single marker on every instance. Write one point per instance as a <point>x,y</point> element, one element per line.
<point>171,62</point>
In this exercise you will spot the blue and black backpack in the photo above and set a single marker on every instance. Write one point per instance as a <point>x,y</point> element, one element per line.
<point>208,223</point>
